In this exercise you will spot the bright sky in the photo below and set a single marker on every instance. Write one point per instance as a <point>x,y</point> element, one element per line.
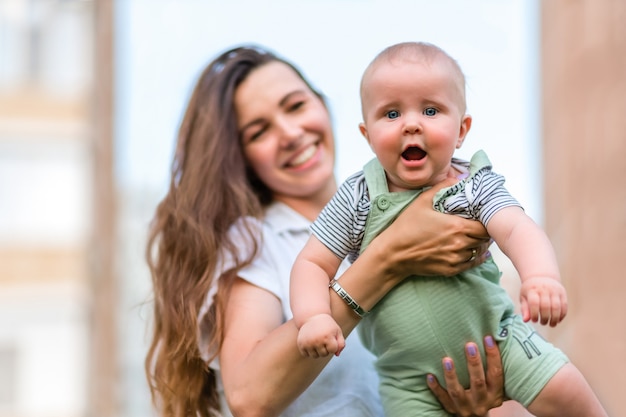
<point>164,44</point>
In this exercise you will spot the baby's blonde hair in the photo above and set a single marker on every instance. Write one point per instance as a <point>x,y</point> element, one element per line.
<point>422,52</point>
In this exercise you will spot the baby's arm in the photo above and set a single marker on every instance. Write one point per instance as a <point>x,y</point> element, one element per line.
<point>319,334</point>
<point>542,295</point>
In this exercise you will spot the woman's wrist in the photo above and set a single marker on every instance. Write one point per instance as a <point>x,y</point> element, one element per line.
<point>389,257</point>
<point>367,281</point>
<point>347,298</point>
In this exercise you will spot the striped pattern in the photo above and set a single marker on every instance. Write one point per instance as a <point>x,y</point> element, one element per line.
<point>478,197</point>
<point>341,224</point>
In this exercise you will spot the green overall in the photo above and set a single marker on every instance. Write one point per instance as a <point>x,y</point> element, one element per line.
<point>424,319</point>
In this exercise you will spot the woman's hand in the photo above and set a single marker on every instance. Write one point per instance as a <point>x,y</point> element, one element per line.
<point>423,241</point>
<point>486,388</point>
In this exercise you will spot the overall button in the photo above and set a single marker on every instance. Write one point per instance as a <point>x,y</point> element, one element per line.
<point>383,203</point>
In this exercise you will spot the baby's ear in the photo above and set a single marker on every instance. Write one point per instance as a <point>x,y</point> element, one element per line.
<point>363,130</point>
<point>466,124</point>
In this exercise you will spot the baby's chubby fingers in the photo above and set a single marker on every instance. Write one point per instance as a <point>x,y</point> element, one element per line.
<point>558,309</point>
<point>530,306</point>
<point>338,344</point>
<point>546,309</point>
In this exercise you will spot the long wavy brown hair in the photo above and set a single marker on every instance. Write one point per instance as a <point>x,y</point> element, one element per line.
<point>211,187</point>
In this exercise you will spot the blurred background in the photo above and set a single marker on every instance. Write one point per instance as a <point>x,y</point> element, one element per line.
<point>91,94</point>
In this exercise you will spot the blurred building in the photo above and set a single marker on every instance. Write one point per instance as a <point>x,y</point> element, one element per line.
<point>584,101</point>
<point>46,81</point>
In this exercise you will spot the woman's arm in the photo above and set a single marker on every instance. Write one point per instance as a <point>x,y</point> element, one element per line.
<point>262,369</point>
<point>421,241</point>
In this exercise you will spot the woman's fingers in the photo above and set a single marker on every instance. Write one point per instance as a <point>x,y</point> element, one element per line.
<point>495,372</point>
<point>441,394</point>
<point>486,389</point>
<point>456,400</point>
<point>476,372</point>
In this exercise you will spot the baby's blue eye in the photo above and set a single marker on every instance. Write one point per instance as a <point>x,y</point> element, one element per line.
<point>430,111</point>
<point>393,114</point>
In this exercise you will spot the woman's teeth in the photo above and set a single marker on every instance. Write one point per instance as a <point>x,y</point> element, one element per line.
<point>304,156</point>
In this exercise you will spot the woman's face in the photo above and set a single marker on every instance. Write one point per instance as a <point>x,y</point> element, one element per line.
<point>286,133</point>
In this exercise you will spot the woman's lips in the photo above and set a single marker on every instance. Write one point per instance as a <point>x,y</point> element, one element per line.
<point>303,156</point>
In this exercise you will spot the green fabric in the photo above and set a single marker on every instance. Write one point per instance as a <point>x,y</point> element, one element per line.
<point>424,319</point>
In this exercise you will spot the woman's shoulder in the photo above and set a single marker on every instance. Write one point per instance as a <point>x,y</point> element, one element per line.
<point>244,230</point>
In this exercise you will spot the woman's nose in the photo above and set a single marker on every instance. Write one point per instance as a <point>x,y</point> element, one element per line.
<point>290,132</point>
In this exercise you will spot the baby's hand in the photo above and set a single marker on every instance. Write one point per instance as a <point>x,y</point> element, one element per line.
<point>320,336</point>
<point>543,299</point>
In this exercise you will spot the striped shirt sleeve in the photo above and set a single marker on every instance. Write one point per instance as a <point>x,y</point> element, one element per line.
<point>341,223</point>
<point>483,195</point>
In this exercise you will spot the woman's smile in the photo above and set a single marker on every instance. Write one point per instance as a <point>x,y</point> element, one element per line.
<point>302,157</point>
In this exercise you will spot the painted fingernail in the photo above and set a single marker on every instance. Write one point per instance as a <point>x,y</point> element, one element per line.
<point>447,364</point>
<point>471,349</point>
<point>489,341</point>
<point>430,378</point>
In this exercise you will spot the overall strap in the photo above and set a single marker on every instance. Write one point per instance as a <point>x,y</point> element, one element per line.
<point>385,206</point>
<point>375,178</point>
<point>479,161</point>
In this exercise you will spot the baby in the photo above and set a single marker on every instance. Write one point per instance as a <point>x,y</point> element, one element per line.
<point>413,104</point>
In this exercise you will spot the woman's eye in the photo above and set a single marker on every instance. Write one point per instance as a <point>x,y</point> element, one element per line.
<point>296,105</point>
<point>250,137</point>
<point>430,111</point>
<point>393,114</point>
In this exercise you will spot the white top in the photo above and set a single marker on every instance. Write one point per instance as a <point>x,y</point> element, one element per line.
<point>348,386</point>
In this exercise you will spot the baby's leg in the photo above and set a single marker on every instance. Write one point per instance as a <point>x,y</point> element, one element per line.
<point>567,394</point>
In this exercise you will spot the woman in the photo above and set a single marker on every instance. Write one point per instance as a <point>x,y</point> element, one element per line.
<point>253,167</point>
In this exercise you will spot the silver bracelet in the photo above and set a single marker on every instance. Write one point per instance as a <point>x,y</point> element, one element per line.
<point>346,297</point>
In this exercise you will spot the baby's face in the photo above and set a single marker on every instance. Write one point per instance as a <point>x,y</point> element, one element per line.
<point>414,120</point>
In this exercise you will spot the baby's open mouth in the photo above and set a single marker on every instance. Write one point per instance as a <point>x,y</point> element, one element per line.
<point>413,153</point>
